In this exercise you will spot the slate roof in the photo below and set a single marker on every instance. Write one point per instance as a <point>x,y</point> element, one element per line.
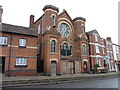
<point>17,30</point>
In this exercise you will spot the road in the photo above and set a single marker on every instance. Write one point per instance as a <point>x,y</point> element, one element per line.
<point>98,83</point>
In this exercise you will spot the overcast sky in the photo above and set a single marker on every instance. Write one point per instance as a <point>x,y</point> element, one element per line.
<point>101,15</point>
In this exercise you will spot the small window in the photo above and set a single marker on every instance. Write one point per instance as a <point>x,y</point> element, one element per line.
<point>20,61</point>
<point>53,46</point>
<point>83,29</point>
<point>97,49</point>
<point>84,50</point>
<point>38,48</point>
<point>38,28</point>
<point>3,40</point>
<point>22,42</point>
<point>53,20</point>
<point>96,38</point>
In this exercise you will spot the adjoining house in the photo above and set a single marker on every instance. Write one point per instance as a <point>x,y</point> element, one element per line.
<point>19,50</point>
<point>96,49</point>
<point>109,53</point>
<point>116,52</point>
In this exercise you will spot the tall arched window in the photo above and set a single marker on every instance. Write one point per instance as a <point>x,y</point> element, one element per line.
<point>53,20</point>
<point>83,29</point>
<point>53,46</point>
<point>84,50</point>
<point>65,50</point>
<point>70,50</point>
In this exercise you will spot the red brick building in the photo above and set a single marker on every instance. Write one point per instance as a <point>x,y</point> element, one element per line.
<point>62,41</point>
<point>96,49</point>
<point>54,44</point>
<point>19,53</point>
<point>110,54</point>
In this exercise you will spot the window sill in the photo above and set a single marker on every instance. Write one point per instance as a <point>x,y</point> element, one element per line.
<point>53,53</point>
<point>20,65</point>
<point>3,44</point>
<point>22,46</point>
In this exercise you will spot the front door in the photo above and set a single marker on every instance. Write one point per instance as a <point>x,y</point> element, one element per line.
<point>71,67</point>
<point>2,64</point>
<point>53,68</point>
<point>85,67</point>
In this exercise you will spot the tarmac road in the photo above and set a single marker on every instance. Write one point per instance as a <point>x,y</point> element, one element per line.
<point>98,83</point>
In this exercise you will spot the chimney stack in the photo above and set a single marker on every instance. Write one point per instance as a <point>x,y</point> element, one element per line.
<point>31,21</point>
<point>109,38</point>
<point>1,11</point>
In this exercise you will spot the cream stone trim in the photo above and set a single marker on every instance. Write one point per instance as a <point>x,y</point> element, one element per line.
<point>65,42</point>
<point>72,28</point>
<point>31,47</point>
<point>80,35</point>
<point>53,15</point>
<point>50,10</point>
<point>54,59</point>
<point>53,39</point>
<point>85,60</point>
<point>13,45</point>
<point>96,44</point>
<point>82,25</point>
<point>79,21</point>
<point>26,46</point>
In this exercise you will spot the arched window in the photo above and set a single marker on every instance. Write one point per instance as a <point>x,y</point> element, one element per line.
<point>84,50</point>
<point>53,46</point>
<point>65,51</point>
<point>83,29</point>
<point>53,20</point>
<point>38,28</point>
<point>70,50</point>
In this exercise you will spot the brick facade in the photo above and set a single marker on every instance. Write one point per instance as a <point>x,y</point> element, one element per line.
<point>55,45</point>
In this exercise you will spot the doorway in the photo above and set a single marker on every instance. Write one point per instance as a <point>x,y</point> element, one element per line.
<point>85,66</point>
<point>53,68</point>
<point>2,64</point>
<point>71,68</point>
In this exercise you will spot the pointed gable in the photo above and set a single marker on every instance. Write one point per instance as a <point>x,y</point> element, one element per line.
<point>64,14</point>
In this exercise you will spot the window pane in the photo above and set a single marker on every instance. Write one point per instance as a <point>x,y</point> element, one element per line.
<point>22,42</point>
<point>38,28</point>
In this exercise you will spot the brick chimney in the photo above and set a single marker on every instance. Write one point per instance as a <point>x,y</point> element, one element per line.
<point>109,38</point>
<point>31,22</point>
<point>1,11</point>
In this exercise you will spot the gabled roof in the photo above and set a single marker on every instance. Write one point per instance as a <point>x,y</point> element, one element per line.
<point>90,32</point>
<point>64,11</point>
<point>17,30</point>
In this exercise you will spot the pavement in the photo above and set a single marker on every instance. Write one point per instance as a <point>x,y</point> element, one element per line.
<point>19,80</point>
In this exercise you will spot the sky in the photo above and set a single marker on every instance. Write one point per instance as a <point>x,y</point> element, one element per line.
<point>101,15</point>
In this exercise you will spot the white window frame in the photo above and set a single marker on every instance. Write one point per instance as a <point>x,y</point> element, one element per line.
<point>3,40</point>
<point>38,28</point>
<point>96,38</point>
<point>21,61</point>
<point>98,61</point>
<point>97,49</point>
<point>22,42</point>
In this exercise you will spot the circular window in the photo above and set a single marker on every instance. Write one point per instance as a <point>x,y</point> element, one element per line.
<point>64,29</point>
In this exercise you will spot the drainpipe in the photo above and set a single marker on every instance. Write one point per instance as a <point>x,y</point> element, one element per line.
<point>9,72</point>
